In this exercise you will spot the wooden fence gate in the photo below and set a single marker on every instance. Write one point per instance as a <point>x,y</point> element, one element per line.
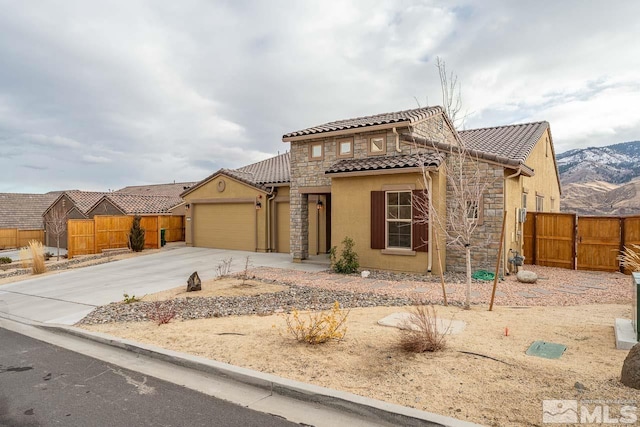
<point>578,242</point>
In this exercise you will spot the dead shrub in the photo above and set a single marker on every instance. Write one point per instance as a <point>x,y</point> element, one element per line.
<point>37,257</point>
<point>318,327</point>
<point>161,312</point>
<point>224,267</point>
<point>630,258</point>
<point>420,333</point>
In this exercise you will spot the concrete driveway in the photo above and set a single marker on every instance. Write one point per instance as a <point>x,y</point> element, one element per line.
<point>67,297</point>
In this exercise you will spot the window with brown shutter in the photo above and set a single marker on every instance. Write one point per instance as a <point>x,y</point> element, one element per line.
<point>420,224</point>
<point>378,226</point>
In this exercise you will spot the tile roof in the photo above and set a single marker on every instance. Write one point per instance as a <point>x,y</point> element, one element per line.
<point>406,117</point>
<point>171,189</point>
<point>24,211</point>
<point>84,200</point>
<point>274,170</point>
<point>385,162</point>
<point>514,142</point>
<point>137,204</point>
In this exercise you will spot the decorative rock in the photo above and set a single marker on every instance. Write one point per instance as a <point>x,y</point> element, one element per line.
<point>194,283</point>
<point>365,274</point>
<point>579,386</point>
<point>526,276</point>
<point>631,368</point>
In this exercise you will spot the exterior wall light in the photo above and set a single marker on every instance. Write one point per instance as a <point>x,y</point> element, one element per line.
<point>258,204</point>
<point>319,205</point>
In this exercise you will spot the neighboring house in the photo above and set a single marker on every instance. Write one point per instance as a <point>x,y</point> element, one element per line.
<point>373,165</point>
<point>172,189</point>
<point>77,204</point>
<point>24,211</point>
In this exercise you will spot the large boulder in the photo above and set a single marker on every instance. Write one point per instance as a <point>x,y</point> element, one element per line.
<point>526,276</point>
<point>194,283</point>
<point>631,368</point>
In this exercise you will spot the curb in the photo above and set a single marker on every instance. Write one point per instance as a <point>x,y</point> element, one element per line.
<point>369,409</point>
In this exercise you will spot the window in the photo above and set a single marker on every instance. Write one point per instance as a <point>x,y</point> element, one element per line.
<point>539,203</point>
<point>377,145</point>
<point>399,219</point>
<point>472,210</point>
<point>316,151</point>
<point>553,204</point>
<point>345,147</point>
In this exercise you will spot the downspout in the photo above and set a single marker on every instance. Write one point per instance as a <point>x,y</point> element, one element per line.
<point>429,224</point>
<point>395,132</point>
<point>504,207</point>
<point>271,195</point>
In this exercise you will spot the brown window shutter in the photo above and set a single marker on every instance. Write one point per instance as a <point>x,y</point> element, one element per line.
<point>378,219</point>
<point>420,227</point>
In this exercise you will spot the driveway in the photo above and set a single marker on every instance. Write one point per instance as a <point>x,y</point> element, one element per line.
<point>67,297</point>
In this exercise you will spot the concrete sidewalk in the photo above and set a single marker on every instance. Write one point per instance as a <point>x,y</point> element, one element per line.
<point>295,401</point>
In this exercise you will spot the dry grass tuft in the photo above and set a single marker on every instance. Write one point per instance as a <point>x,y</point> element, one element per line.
<point>37,257</point>
<point>420,333</point>
<point>630,258</point>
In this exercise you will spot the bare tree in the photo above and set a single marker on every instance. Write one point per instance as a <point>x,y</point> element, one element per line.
<point>467,179</point>
<point>56,224</point>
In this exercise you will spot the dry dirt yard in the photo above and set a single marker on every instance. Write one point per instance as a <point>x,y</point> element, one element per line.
<point>368,362</point>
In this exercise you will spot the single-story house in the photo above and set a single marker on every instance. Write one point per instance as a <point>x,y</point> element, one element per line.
<point>24,211</point>
<point>359,178</point>
<point>77,204</point>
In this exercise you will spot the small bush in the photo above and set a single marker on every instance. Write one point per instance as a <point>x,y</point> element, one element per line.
<point>136,235</point>
<point>224,267</point>
<point>37,257</point>
<point>420,333</point>
<point>162,312</point>
<point>5,260</point>
<point>129,299</point>
<point>318,327</point>
<point>47,256</point>
<point>348,262</point>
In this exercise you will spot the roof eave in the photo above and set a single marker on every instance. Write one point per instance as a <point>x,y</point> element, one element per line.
<point>350,131</point>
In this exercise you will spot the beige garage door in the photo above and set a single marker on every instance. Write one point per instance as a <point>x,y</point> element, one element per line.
<point>224,226</point>
<point>282,225</point>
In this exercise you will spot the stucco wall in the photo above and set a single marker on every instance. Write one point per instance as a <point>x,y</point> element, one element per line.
<point>351,213</point>
<point>544,182</point>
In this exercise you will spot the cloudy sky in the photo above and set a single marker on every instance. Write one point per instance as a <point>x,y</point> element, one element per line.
<point>100,95</point>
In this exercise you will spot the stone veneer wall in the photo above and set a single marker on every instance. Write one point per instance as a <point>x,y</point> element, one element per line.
<point>310,173</point>
<point>486,239</point>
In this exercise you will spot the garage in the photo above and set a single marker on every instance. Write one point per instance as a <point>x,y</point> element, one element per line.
<point>224,226</point>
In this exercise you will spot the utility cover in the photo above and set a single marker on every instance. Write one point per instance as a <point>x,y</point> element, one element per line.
<point>548,350</point>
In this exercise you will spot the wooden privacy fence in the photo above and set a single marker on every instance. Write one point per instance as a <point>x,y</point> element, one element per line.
<point>578,242</point>
<point>15,238</point>
<point>92,236</point>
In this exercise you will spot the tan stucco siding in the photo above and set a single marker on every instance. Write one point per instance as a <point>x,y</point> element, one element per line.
<point>317,226</point>
<point>545,180</point>
<point>513,203</point>
<point>225,226</point>
<point>351,217</point>
<point>226,207</point>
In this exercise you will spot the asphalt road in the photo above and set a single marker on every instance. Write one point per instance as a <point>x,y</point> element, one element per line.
<point>45,385</point>
<point>67,297</point>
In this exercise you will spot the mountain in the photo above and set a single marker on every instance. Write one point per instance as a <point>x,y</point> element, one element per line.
<point>601,180</point>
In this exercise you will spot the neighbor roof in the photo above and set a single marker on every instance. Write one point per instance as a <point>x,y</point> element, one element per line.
<point>171,189</point>
<point>514,142</point>
<point>274,170</point>
<point>385,163</point>
<point>24,211</point>
<point>83,200</point>
<point>138,204</point>
<point>402,118</point>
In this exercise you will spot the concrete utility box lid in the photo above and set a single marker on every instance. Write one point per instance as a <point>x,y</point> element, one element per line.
<point>398,320</point>
<point>548,350</point>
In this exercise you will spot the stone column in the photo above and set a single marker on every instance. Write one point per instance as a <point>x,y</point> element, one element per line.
<point>299,208</point>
